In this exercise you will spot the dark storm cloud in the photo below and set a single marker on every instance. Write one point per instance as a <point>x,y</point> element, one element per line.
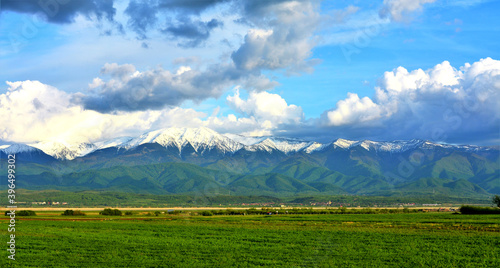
<point>62,11</point>
<point>194,32</point>
<point>189,6</point>
<point>259,7</point>
<point>143,15</point>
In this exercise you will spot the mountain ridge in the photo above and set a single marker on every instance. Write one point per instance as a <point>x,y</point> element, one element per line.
<point>194,158</point>
<point>203,139</point>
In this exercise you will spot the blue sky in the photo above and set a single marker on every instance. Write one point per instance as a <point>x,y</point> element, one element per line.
<point>381,70</point>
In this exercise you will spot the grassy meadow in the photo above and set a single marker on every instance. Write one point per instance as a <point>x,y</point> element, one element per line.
<point>187,240</point>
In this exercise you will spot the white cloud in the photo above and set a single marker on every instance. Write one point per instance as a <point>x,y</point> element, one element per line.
<point>419,103</point>
<point>266,106</point>
<point>130,90</point>
<point>31,111</point>
<point>282,37</point>
<point>124,88</point>
<point>458,104</point>
<point>262,113</point>
<point>354,110</point>
<point>399,10</point>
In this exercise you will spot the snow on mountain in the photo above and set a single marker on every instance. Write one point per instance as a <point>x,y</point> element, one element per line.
<point>399,146</point>
<point>290,145</point>
<point>204,139</point>
<point>344,144</point>
<point>200,139</point>
<point>116,142</point>
<point>394,146</point>
<point>17,148</point>
<point>285,145</point>
<point>63,150</point>
<point>268,144</point>
<point>467,148</point>
<point>315,146</point>
<point>245,140</point>
<point>384,146</point>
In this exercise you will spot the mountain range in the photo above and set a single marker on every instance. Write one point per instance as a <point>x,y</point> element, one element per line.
<point>202,161</point>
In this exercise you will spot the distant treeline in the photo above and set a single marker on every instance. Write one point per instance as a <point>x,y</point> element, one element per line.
<point>269,211</point>
<point>478,210</point>
<point>107,198</point>
<point>21,213</point>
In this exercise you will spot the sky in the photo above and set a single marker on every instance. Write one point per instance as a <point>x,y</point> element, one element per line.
<point>86,71</point>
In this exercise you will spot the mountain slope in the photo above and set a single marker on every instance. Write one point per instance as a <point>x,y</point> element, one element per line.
<point>186,160</point>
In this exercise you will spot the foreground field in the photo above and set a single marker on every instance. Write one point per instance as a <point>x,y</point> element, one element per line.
<point>374,240</point>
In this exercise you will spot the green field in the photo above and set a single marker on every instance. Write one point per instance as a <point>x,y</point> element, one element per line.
<point>141,240</point>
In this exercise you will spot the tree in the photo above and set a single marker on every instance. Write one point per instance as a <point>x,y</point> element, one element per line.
<point>111,212</point>
<point>69,212</point>
<point>496,200</point>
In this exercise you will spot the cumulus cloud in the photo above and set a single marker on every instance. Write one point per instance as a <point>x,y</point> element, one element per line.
<point>281,34</point>
<point>399,10</point>
<point>354,110</point>
<point>266,106</point>
<point>282,37</point>
<point>62,11</point>
<point>442,103</point>
<point>261,113</point>
<point>31,111</point>
<point>123,88</point>
<point>131,90</point>
<point>248,126</point>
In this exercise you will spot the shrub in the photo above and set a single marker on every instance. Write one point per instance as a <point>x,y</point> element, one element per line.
<point>26,213</point>
<point>478,210</point>
<point>111,212</point>
<point>128,213</point>
<point>23,213</point>
<point>70,212</point>
<point>206,213</point>
<point>157,213</point>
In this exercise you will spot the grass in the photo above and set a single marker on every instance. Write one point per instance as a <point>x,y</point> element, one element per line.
<point>371,240</point>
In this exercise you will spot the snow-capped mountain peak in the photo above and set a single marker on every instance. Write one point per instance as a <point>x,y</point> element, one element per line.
<point>384,146</point>
<point>16,148</point>
<point>200,139</point>
<point>285,145</point>
<point>63,150</point>
<point>315,146</point>
<point>203,140</point>
<point>344,144</point>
